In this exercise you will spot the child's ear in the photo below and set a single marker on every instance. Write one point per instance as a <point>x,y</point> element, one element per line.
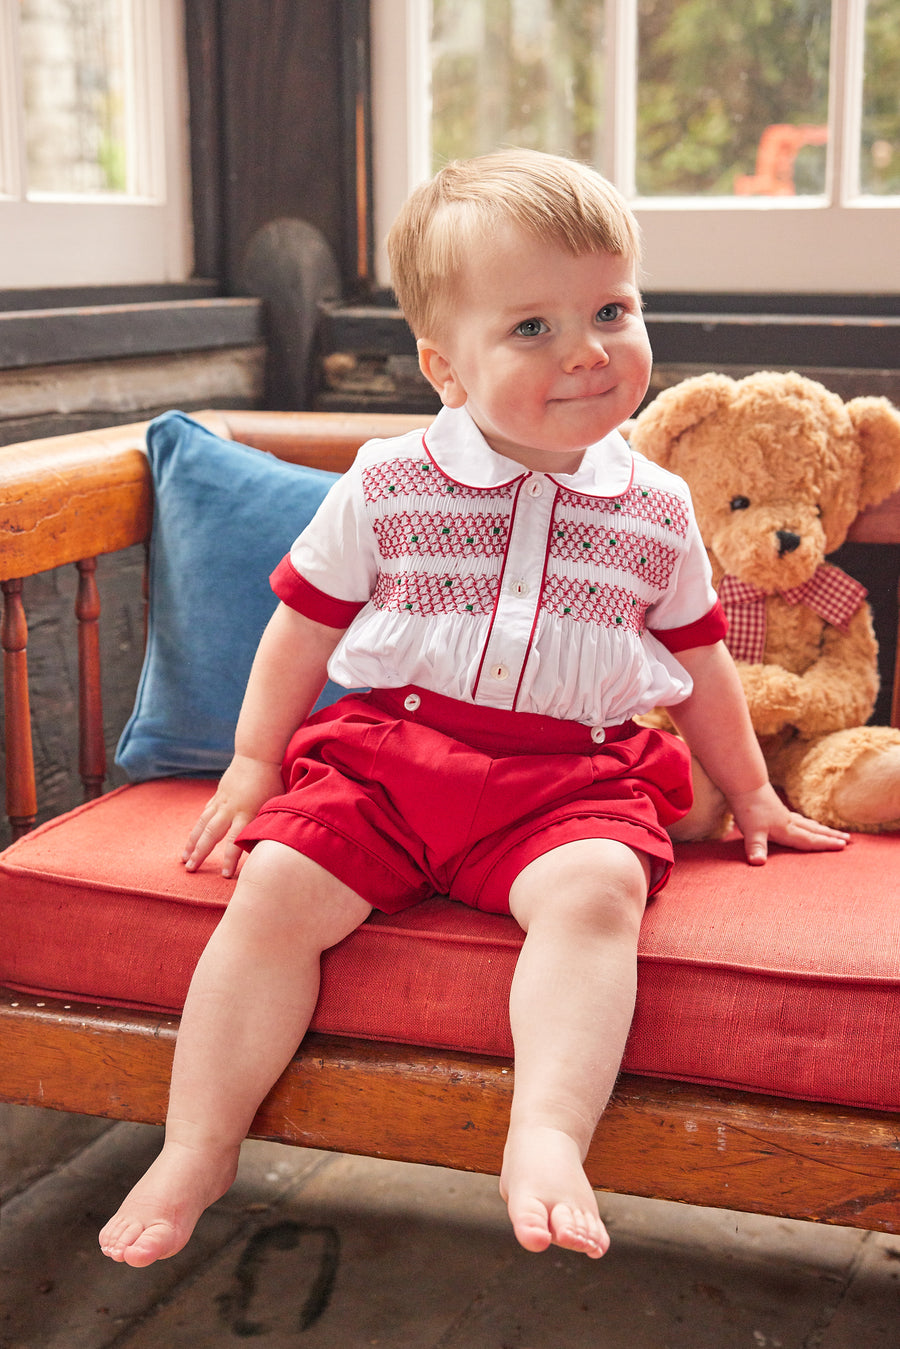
<point>439,372</point>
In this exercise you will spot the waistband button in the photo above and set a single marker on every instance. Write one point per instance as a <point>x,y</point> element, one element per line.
<point>412,702</point>
<point>598,735</point>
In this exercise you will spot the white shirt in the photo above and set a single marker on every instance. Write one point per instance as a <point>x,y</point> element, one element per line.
<point>462,572</point>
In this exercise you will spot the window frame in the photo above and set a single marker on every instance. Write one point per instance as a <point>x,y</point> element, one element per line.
<point>839,243</point>
<point>58,240</point>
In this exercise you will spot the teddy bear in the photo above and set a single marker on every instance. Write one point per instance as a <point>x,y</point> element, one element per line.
<point>778,467</point>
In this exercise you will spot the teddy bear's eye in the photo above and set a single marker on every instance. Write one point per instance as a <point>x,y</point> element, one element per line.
<point>740,503</point>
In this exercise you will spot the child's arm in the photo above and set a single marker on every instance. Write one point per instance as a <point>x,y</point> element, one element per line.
<point>716,724</point>
<point>288,672</point>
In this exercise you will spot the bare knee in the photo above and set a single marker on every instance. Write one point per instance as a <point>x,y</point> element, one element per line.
<point>597,887</point>
<point>281,888</point>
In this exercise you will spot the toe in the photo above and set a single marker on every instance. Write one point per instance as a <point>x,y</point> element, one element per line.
<point>531,1226</point>
<point>575,1230</point>
<point>138,1244</point>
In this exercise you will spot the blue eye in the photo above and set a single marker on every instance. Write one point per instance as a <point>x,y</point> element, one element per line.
<point>531,328</point>
<point>609,313</point>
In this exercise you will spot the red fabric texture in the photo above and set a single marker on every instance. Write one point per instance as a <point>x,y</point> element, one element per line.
<point>781,979</point>
<point>401,801</point>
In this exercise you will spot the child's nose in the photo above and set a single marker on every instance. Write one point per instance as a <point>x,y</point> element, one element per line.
<point>587,352</point>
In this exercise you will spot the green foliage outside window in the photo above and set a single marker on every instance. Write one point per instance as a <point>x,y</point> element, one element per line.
<point>730,98</point>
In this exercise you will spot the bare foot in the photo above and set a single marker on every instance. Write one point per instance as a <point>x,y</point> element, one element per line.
<point>159,1215</point>
<point>549,1197</point>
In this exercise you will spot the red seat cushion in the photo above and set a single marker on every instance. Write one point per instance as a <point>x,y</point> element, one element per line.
<point>780,979</point>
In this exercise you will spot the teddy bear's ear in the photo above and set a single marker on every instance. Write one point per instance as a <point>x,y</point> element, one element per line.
<point>877,425</point>
<point>656,430</point>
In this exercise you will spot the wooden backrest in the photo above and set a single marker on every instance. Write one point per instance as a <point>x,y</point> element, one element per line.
<point>70,499</point>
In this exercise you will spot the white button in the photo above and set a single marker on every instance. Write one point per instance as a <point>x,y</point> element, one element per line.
<point>499,672</point>
<point>535,488</point>
<point>598,735</point>
<point>519,587</point>
<point>412,702</point>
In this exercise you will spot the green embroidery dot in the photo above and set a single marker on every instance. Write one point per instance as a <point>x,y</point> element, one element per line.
<point>667,519</point>
<point>567,610</point>
<point>496,529</point>
<point>469,608</point>
<point>469,539</point>
<point>446,529</point>
<point>407,606</point>
<point>643,562</point>
<point>585,544</point>
<point>392,487</point>
<point>619,620</point>
<point>414,538</point>
<point>644,492</point>
<point>613,541</point>
<point>448,584</point>
<point>617,505</point>
<point>592,590</point>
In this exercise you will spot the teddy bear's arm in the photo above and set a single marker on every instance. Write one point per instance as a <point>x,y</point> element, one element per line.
<point>839,690</point>
<point>835,691</point>
<point>773,696</point>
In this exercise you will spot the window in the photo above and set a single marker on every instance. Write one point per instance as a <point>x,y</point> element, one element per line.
<point>759,144</point>
<point>93,143</point>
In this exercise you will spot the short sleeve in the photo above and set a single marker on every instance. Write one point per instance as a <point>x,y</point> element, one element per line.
<point>335,558</point>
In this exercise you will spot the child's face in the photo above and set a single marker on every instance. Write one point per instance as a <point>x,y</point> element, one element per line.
<point>548,351</point>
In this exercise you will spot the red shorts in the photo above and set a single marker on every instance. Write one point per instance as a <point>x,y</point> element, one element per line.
<point>405,793</point>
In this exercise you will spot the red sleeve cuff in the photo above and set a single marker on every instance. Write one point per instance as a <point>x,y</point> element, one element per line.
<point>706,631</point>
<point>297,593</point>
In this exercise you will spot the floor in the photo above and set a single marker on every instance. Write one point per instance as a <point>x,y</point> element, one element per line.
<point>333,1252</point>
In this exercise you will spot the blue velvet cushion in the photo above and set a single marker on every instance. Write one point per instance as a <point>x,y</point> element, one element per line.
<point>224,516</point>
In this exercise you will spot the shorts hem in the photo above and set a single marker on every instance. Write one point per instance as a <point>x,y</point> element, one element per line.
<point>545,838</point>
<point>339,855</point>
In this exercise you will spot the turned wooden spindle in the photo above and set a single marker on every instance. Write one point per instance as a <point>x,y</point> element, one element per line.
<point>91,744</point>
<point>21,794</point>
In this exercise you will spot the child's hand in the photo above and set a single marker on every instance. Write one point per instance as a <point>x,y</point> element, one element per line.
<point>762,817</point>
<point>245,786</point>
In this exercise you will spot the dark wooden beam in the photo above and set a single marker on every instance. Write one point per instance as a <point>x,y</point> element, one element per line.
<point>50,336</point>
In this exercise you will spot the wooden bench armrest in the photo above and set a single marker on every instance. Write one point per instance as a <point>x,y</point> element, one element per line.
<point>71,497</point>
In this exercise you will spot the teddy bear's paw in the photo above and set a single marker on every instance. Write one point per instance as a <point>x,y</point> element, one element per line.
<point>868,795</point>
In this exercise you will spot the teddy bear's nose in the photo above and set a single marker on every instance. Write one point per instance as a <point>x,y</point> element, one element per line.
<point>787,541</point>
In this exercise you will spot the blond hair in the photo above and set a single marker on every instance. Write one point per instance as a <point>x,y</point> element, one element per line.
<point>549,198</point>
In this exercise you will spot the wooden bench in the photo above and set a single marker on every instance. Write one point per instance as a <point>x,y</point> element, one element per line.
<point>71,499</point>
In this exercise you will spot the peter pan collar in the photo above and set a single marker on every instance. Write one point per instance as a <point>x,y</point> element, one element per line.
<point>460,451</point>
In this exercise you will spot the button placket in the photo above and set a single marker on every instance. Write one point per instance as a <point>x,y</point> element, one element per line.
<point>513,625</point>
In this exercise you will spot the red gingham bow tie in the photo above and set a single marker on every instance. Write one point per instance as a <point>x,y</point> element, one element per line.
<point>830,592</point>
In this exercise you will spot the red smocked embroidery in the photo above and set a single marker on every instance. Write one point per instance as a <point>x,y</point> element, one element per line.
<point>643,503</point>
<point>608,606</point>
<point>419,477</point>
<point>417,534</point>
<point>649,560</point>
<point>418,593</point>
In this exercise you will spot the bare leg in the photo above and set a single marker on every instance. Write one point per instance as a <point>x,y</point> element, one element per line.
<point>571,1006</point>
<point>250,1001</point>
